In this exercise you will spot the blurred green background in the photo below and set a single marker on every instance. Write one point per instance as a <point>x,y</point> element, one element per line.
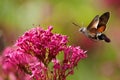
<point>103,62</point>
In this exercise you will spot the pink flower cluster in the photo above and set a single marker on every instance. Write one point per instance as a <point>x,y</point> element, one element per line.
<point>35,51</point>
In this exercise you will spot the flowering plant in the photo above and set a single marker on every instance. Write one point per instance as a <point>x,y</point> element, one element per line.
<point>35,56</point>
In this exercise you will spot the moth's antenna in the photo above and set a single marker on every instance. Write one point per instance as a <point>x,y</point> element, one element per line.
<point>76,25</point>
<point>82,23</point>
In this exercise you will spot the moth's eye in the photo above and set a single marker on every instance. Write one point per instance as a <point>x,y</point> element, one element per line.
<point>81,30</point>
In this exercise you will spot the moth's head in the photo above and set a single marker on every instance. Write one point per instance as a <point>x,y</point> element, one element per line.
<point>82,29</point>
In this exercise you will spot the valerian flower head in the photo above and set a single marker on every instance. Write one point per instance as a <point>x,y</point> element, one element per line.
<point>14,59</point>
<point>39,42</point>
<point>36,49</point>
<point>72,55</point>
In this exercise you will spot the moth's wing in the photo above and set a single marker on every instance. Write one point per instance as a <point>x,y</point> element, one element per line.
<point>94,23</point>
<point>92,27</point>
<point>102,22</point>
<point>93,30</point>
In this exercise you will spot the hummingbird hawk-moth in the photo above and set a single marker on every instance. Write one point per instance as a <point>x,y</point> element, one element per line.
<point>96,28</point>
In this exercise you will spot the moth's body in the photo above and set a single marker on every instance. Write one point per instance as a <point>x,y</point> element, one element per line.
<point>96,28</point>
<point>89,34</point>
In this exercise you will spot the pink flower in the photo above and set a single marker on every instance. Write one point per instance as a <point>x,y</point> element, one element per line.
<point>39,71</point>
<point>72,55</point>
<point>38,42</point>
<point>35,50</point>
<point>15,60</point>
